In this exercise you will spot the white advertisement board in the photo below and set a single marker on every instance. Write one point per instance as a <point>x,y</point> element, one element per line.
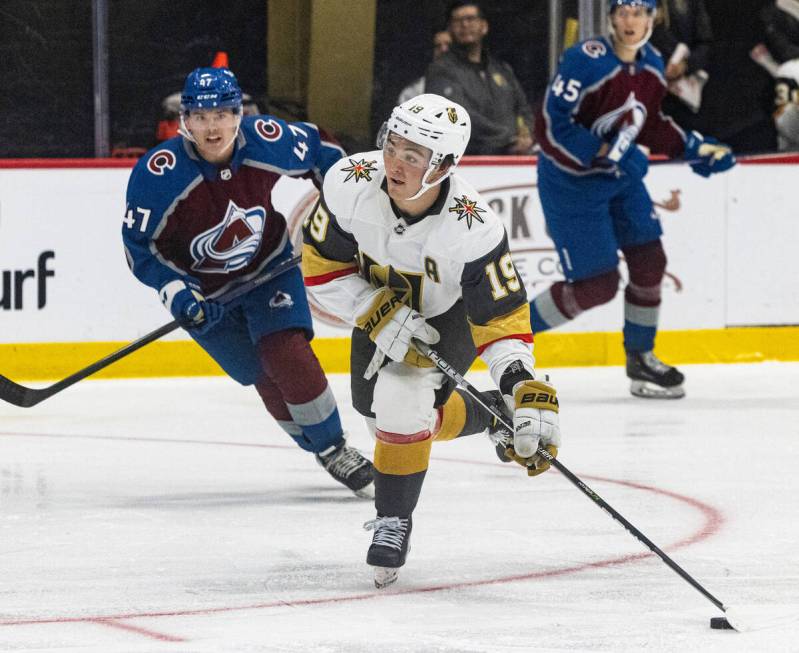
<point>729,240</point>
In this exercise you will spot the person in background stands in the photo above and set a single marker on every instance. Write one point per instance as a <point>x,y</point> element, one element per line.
<point>441,42</point>
<point>683,35</point>
<point>468,74</point>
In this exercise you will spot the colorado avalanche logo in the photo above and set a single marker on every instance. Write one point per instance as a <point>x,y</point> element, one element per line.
<point>161,160</point>
<point>270,130</point>
<point>231,244</point>
<point>594,49</point>
<point>631,113</point>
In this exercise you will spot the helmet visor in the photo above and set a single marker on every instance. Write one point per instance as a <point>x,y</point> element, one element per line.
<point>402,149</point>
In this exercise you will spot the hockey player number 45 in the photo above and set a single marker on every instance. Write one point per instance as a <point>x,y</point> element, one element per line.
<point>500,290</point>
<point>569,90</point>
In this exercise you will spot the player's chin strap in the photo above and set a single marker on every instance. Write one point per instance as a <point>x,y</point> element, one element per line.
<point>634,46</point>
<point>426,185</point>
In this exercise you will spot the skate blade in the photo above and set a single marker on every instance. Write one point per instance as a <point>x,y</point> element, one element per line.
<point>385,576</point>
<point>366,492</point>
<point>649,390</point>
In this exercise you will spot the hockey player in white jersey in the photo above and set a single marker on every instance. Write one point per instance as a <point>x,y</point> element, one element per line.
<point>402,249</point>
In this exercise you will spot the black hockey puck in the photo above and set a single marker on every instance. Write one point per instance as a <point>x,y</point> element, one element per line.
<point>720,623</point>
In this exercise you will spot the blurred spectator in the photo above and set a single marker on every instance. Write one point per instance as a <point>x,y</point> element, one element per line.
<point>441,42</point>
<point>780,56</point>
<point>683,35</point>
<point>487,87</point>
<point>170,117</point>
<point>781,20</point>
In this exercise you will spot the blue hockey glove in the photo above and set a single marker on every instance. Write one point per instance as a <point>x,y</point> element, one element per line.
<point>189,307</point>
<point>707,155</point>
<point>627,156</point>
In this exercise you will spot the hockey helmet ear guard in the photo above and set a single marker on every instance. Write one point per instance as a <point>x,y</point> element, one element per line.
<point>434,122</point>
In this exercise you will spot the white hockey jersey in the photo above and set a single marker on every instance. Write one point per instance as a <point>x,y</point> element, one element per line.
<point>357,241</point>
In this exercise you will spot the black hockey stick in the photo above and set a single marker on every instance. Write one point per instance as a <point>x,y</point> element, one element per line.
<point>19,395</point>
<point>488,405</point>
<point>659,160</point>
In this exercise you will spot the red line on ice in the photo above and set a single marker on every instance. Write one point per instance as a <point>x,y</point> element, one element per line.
<point>136,629</point>
<point>712,524</point>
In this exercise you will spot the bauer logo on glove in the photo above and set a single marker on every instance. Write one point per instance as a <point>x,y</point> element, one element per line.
<point>391,325</point>
<point>546,400</point>
<point>376,319</point>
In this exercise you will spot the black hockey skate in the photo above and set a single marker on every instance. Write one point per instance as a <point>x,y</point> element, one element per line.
<point>652,378</point>
<point>500,436</point>
<point>349,468</point>
<point>389,548</point>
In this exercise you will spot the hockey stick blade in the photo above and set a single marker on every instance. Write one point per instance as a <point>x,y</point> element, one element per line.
<point>25,397</point>
<point>16,394</point>
<point>486,403</point>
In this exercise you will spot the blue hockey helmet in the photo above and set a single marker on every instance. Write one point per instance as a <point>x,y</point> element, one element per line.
<point>649,5</point>
<point>210,88</point>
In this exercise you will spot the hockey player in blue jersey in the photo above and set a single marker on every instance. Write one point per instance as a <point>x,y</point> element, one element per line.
<point>604,101</point>
<point>200,220</point>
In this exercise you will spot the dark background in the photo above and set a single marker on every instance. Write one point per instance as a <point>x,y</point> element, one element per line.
<point>46,106</point>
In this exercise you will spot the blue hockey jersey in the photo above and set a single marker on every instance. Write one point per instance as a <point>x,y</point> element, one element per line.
<point>188,217</point>
<point>593,96</point>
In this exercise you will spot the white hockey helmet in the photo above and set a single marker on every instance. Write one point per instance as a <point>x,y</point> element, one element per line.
<point>433,121</point>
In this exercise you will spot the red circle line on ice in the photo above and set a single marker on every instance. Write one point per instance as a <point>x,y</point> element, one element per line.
<point>712,523</point>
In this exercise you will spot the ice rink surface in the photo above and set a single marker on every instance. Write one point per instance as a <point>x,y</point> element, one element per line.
<point>173,515</point>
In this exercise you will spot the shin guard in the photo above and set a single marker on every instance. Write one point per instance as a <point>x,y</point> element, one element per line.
<point>400,466</point>
<point>292,367</point>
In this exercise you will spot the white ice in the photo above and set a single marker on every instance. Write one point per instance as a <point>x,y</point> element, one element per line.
<point>173,515</point>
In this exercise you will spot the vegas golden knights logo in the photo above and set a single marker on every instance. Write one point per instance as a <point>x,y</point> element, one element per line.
<point>406,285</point>
<point>452,115</point>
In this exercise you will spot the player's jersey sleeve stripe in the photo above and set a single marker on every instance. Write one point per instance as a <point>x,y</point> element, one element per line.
<point>515,324</point>
<point>318,270</point>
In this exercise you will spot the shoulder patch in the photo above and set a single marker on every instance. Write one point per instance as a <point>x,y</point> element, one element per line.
<point>161,160</point>
<point>360,169</point>
<point>594,49</point>
<point>269,130</point>
<point>468,210</point>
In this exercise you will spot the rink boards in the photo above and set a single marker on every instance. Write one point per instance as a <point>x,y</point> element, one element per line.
<point>67,297</point>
